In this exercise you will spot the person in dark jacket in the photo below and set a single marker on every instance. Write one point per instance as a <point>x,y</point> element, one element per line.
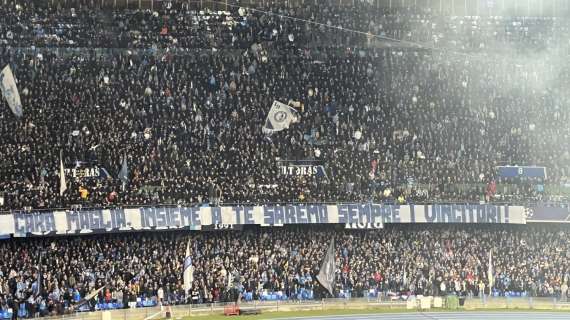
<point>14,304</point>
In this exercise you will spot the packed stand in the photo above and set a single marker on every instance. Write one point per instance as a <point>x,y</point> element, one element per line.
<point>179,25</point>
<point>388,124</point>
<point>187,122</point>
<point>281,263</point>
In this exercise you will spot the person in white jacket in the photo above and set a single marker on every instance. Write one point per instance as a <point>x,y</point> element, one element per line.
<point>160,294</point>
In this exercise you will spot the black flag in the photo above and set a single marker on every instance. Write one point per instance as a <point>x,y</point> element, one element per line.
<point>327,271</point>
<point>39,280</point>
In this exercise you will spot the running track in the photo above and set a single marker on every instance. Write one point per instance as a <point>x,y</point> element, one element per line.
<point>468,315</point>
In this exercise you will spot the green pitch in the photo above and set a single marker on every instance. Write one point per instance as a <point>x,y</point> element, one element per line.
<point>337,312</point>
<point>285,314</point>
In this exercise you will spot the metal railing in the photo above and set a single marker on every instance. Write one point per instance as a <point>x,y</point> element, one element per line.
<point>368,304</point>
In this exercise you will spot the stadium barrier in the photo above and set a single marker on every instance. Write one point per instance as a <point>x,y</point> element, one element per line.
<point>435,303</point>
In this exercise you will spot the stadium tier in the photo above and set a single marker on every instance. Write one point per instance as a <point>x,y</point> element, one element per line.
<point>186,121</point>
<point>282,263</point>
<point>441,134</point>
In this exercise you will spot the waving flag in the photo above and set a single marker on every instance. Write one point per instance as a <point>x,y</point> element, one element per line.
<point>88,297</point>
<point>62,182</point>
<point>37,289</point>
<point>124,172</point>
<point>10,91</point>
<point>327,271</point>
<point>280,117</point>
<point>490,271</point>
<point>188,270</point>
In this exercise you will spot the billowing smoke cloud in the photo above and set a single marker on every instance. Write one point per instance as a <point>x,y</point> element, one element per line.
<point>513,76</point>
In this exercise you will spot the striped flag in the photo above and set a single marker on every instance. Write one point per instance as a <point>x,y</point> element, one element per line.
<point>188,270</point>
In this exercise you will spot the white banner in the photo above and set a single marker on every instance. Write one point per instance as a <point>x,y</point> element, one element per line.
<point>162,218</point>
<point>6,224</point>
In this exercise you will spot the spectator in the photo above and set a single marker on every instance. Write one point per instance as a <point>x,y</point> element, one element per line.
<point>432,260</point>
<point>177,98</point>
<point>445,126</point>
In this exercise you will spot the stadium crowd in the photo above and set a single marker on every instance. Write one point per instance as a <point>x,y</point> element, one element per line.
<point>174,101</point>
<point>388,124</point>
<point>177,24</point>
<point>398,260</point>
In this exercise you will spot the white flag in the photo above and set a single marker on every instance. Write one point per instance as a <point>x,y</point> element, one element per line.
<point>280,117</point>
<point>10,91</point>
<point>124,172</point>
<point>188,270</point>
<point>62,183</point>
